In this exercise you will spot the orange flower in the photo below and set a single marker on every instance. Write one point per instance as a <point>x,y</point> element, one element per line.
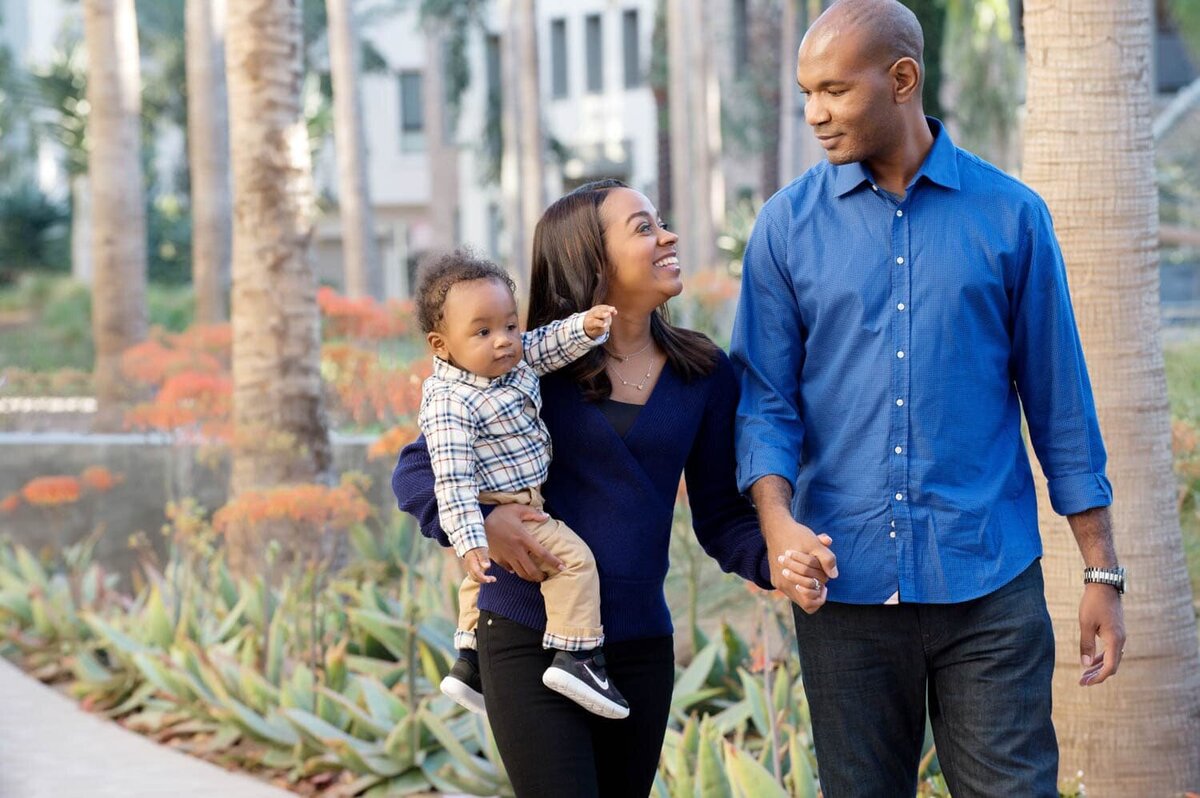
<point>320,506</point>
<point>191,400</point>
<point>152,362</point>
<point>10,503</point>
<point>100,479</point>
<point>391,442</point>
<point>362,317</point>
<point>47,491</point>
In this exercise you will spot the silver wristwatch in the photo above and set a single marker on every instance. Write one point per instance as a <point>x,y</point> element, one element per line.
<point>1106,576</point>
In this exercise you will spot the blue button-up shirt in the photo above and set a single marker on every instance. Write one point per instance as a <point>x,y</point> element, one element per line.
<point>885,347</point>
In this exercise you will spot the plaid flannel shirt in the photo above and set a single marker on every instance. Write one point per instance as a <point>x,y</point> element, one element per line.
<point>487,434</point>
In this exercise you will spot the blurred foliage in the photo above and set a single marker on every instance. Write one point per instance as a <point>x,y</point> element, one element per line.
<point>933,17</point>
<point>1183,387</point>
<point>34,233</point>
<point>985,76</point>
<point>1187,16</point>
<point>54,327</point>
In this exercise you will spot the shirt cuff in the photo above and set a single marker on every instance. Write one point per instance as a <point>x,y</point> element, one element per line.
<point>472,538</point>
<point>579,336</point>
<point>754,465</point>
<point>1078,492</point>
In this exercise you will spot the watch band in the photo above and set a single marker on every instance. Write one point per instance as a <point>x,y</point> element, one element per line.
<point>1114,577</point>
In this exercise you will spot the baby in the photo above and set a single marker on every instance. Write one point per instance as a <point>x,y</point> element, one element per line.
<point>488,445</point>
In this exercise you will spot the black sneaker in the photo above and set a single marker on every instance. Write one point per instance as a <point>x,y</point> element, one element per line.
<point>464,686</point>
<point>585,682</point>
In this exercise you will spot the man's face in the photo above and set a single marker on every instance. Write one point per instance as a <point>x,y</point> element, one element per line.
<point>848,91</point>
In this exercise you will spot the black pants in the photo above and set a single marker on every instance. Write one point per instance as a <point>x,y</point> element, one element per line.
<point>550,746</point>
<point>983,666</point>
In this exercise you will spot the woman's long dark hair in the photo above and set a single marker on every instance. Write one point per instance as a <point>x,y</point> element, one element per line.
<point>571,273</point>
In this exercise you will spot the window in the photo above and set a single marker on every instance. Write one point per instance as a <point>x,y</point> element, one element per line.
<point>633,60</point>
<point>595,53</point>
<point>741,39</point>
<point>492,56</point>
<point>558,58</point>
<point>412,112</point>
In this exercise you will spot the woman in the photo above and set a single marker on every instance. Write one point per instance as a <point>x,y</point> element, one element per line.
<point>626,420</point>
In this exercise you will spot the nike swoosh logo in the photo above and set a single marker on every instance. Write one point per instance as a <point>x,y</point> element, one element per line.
<point>603,684</point>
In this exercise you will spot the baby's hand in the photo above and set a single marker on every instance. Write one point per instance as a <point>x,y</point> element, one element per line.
<point>598,320</point>
<point>478,562</point>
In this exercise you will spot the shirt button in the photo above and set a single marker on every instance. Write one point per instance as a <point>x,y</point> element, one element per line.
<point>891,534</point>
<point>893,524</point>
<point>899,213</point>
<point>899,497</point>
<point>900,306</point>
<point>900,355</point>
<point>900,261</point>
<point>874,187</point>
<point>899,403</point>
<point>899,450</point>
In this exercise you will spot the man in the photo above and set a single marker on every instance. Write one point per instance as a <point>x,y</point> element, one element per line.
<point>900,304</point>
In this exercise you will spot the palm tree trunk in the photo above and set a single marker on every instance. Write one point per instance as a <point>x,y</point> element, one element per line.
<point>208,157</point>
<point>118,219</point>
<point>440,145</point>
<point>522,176</point>
<point>81,229</point>
<point>697,186</point>
<point>279,421</point>
<point>789,94</point>
<point>360,251</point>
<point>1088,151</point>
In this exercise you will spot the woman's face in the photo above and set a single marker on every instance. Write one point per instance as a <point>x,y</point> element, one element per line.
<point>644,268</point>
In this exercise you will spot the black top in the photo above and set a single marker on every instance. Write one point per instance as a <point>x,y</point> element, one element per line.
<point>620,415</point>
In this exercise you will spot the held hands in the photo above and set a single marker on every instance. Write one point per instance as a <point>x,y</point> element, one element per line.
<point>598,320</point>
<point>478,562</point>
<point>801,563</point>
<point>1100,615</point>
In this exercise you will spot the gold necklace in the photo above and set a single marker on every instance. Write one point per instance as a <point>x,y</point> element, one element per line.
<point>624,358</point>
<point>640,385</point>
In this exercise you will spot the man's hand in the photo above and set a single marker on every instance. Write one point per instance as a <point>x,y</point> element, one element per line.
<point>478,563</point>
<point>598,320</point>
<point>801,563</point>
<point>1100,615</point>
<point>1100,612</point>
<point>513,548</point>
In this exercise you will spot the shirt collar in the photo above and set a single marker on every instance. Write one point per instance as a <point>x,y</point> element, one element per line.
<point>940,166</point>
<point>444,370</point>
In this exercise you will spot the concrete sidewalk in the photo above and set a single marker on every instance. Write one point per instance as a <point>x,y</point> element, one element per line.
<point>50,748</point>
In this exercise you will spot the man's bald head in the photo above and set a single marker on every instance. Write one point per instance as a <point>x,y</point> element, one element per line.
<point>882,29</point>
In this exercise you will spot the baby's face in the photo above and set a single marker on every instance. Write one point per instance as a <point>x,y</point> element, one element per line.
<point>480,332</point>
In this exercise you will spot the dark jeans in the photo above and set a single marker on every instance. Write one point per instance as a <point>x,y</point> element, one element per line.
<point>550,746</point>
<point>985,668</point>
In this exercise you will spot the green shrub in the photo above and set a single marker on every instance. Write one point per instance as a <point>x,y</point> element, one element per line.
<point>34,233</point>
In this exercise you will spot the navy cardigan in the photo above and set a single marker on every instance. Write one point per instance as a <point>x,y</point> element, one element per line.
<point>618,494</point>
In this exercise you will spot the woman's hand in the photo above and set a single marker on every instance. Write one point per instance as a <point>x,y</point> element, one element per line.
<point>513,548</point>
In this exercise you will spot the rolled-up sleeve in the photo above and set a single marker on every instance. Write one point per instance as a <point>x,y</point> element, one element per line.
<point>767,351</point>
<point>450,432</point>
<point>1051,375</point>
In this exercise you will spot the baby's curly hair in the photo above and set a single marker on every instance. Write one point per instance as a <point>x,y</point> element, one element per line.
<point>439,275</point>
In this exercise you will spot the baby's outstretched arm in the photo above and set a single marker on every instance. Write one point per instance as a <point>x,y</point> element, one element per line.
<point>598,320</point>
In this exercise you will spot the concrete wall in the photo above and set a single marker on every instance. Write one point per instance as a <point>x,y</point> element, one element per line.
<point>154,471</point>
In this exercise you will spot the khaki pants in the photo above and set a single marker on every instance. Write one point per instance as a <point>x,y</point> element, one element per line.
<point>572,595</point>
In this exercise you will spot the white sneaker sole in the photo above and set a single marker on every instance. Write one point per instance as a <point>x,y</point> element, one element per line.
<point>578,691</point>
<point>463,695</point>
